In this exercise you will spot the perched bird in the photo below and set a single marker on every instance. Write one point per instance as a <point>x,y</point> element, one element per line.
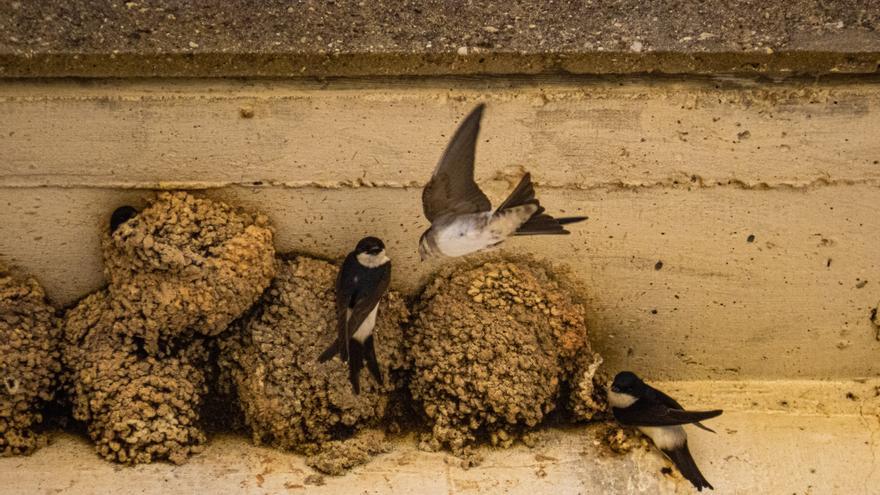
<point>635,403</point>
<point>362,281</point>
<point>120,216</point>
<point>461,216</point>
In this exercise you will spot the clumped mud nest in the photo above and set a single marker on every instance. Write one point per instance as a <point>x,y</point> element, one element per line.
<point>137,353</point>
<point>138,408</point>
<point>289,399</point>
<point>495,344</point>
<point>186,264</point>
<point>29,362</point>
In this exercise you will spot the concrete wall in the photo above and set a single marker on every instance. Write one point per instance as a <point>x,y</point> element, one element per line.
<point>761,201</point>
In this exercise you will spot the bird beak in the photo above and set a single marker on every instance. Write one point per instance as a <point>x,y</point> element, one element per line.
<point>615,389</point>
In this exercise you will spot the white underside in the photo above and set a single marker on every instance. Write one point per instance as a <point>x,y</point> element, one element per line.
<point>619,400</point>
<point>476,232</point>
<point>373,260</point>
<point>665,437</point>
<point>366,328</point>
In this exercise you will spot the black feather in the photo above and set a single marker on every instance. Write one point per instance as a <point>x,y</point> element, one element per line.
<point>372,362</point>
<point>540,223</point>
<point>355,363</point>
<point>683,460</point>
<point>120,216</point>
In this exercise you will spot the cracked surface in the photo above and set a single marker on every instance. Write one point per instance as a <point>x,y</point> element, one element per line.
<point>493,342</point>
<point>186,264</point>
<point>290,400</point>
<point>29,362</point>
<point>138,408</point>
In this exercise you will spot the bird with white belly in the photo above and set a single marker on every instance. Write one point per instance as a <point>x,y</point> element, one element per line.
<point>657,415</point>
<point>361,283</point>
<point>461,216</point>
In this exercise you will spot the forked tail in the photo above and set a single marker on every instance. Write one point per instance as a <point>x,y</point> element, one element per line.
<point>539,223</point>
<point>683,460</point>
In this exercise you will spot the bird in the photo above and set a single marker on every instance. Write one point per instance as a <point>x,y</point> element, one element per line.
<point>120,216</point>
<point>461,216</point>
<point>361,283</point>
<point>659,416</point>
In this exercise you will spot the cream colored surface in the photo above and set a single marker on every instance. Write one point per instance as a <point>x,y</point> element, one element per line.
<point>681,173</point>
<point>757,449</point>
<point>569,133</point>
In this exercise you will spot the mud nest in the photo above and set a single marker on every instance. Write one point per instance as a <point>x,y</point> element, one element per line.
<point>138,407</point>
<point>186,264</point>
<point>30,362</point>
<point>497,344</point>
<point>289,399</point>
<point>136,354</point>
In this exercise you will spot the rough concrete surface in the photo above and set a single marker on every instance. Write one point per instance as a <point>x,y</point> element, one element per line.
<point>356,38</point>
<point>758,449</point>
<point>724,215</point>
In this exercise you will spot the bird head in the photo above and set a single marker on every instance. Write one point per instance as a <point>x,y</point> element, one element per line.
<point>370,252</point>
<point>626,382</point>
<point>120,216</point>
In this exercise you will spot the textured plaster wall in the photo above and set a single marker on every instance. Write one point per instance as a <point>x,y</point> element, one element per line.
<point>733,230</point>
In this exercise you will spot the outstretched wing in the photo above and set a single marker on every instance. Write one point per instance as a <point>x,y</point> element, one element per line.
<point>365,301</point>
<point>452,190</point>
<point>644,413</point>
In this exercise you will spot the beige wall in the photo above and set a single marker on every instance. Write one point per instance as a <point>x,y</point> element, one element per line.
<point>678,172</point>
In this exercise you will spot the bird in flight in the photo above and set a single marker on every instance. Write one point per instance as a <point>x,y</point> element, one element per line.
<point>461,216</point>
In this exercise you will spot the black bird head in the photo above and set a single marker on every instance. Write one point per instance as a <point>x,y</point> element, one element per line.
<point>120,216</point>
<point>626,382</point>
<point>369,245</point>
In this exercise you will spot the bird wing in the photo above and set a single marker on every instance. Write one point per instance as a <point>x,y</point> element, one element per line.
<point>365,301</point>
<point>673,404</point>
<point>452,190</point>
<point>647,413</point>
<point>345,290</point>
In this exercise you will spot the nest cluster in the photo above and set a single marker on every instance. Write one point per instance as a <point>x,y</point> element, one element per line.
<point>29,362</point>
<point>136,354</point>
<point>197,300</point>
<point>289,399</point>
<point>493,342</point>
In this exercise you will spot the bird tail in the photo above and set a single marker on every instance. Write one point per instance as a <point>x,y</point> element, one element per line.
<point>372,362</point>
<point>331,351</point>
<point>539,223</point>
<point>681,457</point>
<point>355,363</point>
<point>523,194</point>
